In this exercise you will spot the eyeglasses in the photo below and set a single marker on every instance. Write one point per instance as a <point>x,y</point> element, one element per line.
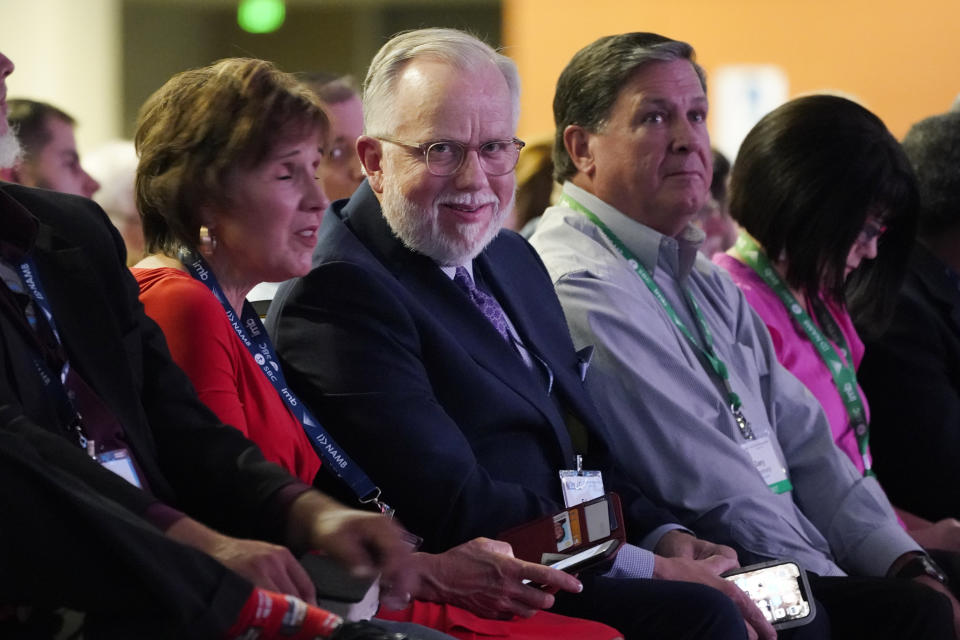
<point>445,157</point>
<point>339,154</point>
<point>872,229</point>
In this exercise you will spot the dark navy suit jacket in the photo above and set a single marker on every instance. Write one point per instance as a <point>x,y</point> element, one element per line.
<point>420,389</point>
<point>911,376</point>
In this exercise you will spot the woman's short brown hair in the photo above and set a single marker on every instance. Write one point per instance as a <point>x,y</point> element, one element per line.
<point>201,124</point>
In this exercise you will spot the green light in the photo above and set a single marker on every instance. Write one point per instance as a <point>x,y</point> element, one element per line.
<point>261,16</point>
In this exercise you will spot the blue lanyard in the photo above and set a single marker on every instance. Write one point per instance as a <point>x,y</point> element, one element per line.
<point>254,337</point>
<point>28,271</point>
<point>50,379</point>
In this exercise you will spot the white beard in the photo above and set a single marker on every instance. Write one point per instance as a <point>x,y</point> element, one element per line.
<point>419,229</point>
<point>9,149</point>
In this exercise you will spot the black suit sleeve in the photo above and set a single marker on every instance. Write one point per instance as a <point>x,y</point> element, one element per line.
<point>192,461</point>
<point>912,381</point>
<point>63,543</point>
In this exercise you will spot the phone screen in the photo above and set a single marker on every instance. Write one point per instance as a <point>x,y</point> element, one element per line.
<point>779,590</point>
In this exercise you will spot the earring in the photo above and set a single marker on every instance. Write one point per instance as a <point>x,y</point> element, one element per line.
<point>208,241</point>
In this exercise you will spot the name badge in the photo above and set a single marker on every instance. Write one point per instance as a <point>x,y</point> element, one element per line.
<point>118,461</point>
<point>580,486</point>
<point>765,459</point>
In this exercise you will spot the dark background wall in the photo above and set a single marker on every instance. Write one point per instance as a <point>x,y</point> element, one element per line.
<point>161,37</point>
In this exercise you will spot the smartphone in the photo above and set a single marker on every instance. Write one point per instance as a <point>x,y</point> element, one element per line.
<point>577,561</point>
<point>780,590</point>
<point>582,559</point>
<point>333,580</point>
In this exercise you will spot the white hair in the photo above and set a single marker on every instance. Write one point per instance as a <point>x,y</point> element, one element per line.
<point>454,47</point>
<point>9,149</point>
<point>114,166</point>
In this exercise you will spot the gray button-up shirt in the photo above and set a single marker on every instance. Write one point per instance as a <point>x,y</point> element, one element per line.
<point>668,414</point>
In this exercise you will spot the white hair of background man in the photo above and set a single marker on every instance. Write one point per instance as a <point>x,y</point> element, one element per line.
<point>457,48</point>
<point>114,165</point>
<point>9,149</point>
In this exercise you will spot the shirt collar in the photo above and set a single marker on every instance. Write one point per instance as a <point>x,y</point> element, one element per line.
<point>18,229</point>
<point>646,243</point>
<point>452,271</point>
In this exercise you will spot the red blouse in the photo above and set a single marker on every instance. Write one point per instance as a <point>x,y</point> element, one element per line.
<point>224,373</point>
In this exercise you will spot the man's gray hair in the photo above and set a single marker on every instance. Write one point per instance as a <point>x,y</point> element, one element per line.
<point>590,84</point>
<point>457,48</point>
<point>933,147</point>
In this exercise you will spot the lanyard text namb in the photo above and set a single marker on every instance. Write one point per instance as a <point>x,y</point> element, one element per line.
<point>708,352</point>
<point>254,337</point>
<point>844,376</point>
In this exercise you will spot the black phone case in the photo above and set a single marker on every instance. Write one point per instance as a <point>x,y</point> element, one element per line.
<point>334,581</point>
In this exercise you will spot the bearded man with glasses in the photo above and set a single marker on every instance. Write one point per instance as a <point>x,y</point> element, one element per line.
<point>431,345</point>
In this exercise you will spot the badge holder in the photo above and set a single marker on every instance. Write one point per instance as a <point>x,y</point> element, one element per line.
<point>580,528</point>
<point>579,485</point>
<point>768,464</point>
<point>118,461</point>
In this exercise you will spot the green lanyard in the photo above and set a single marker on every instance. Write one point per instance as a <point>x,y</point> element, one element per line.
<point>844,376</point>
<point>709,353</point>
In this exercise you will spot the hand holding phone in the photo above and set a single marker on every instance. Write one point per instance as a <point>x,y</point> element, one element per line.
<point>585,558</point>
<point>779,589</point>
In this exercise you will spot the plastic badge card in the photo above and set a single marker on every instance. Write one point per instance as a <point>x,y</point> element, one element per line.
<point>580,486</point>
<point>119,462</point>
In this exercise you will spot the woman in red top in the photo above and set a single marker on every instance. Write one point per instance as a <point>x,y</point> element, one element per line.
<point>228,193</point>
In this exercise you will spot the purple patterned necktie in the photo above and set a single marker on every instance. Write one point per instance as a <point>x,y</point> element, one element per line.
<point>486,303</point>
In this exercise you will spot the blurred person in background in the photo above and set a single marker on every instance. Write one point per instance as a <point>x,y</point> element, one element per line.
<point>714,218</point>
<point>50,159</point>
<point>911,371</point>
<point>340,170</point>
<point>535,186</point>
<point>114,166</point>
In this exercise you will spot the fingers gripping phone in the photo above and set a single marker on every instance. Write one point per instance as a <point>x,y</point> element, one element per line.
<point>780,590</point>
<point>585,558</point>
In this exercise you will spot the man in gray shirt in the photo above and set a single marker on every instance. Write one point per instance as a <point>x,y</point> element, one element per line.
<point>685,374</point>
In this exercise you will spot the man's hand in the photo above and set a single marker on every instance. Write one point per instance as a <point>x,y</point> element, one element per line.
<point>679,544</point>
<point>365,542</point>
<point>707,571</point>
<point>266,565</point>
<point>483,577</point>
<point>944,534</point>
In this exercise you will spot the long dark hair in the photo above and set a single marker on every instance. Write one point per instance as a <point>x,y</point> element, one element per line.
<point>804,183</point>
